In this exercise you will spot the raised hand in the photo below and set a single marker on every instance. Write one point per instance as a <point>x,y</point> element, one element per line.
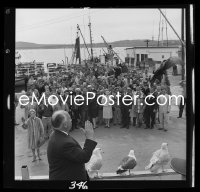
<point>88,131</point>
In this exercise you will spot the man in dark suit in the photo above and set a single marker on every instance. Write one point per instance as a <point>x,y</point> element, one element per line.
<point>150,109</point>
<point>65,156</point>
<point>146,89</point>
<point>125,107</point>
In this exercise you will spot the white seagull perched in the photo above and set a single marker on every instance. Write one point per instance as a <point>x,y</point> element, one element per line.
<point>95,163</point>
<point>159,159</point>
<point>127,163</point>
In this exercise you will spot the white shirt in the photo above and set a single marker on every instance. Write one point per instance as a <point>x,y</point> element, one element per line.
<point>64,132</point>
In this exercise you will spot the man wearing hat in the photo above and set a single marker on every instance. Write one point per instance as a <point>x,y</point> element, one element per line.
<point>125,111</point>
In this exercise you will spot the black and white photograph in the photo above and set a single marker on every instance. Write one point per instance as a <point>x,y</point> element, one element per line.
<point>100,94</point>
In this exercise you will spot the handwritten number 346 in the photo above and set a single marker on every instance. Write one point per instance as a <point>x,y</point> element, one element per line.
<point>80,185</point>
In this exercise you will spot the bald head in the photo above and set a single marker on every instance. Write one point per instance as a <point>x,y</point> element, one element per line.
<point>61,120</point>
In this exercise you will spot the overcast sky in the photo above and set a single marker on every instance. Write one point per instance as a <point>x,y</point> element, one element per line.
<point>58,26</point>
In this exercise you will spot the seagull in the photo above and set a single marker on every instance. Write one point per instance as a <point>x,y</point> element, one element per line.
<point>159,159</point>
<point>95,163</point>
<point>127,163</point>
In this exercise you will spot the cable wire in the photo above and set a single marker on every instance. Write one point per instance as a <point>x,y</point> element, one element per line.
<point>50,23</point>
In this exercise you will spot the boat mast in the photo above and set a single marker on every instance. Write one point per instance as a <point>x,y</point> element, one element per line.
<point>166,29</point>
<point>108,47</point>
<point>159,31</point>
<point>180,38</point>
<point>74,52</point>
<point>65,63</point>
<point>83,39</point>
<point>89,25</point>
<point>162,26</point>
<point>182,42</point>
<point>104,50</point>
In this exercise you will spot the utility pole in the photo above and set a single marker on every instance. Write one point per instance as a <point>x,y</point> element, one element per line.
<point>183,47</point>
<point>147,41</point>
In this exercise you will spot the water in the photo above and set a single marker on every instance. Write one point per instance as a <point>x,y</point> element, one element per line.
<point>57,55</point>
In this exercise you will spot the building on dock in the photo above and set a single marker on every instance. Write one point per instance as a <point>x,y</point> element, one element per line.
<point>145,57</point>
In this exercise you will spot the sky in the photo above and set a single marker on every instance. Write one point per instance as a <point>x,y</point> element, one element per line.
<point>59,26</point>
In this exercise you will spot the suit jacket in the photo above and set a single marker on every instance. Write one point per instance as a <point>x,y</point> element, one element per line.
<point>66,158</point>
<point>123,107</point>
<point>151,100</point>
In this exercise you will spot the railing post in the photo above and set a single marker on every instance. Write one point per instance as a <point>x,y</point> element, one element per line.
<point>25,173</point>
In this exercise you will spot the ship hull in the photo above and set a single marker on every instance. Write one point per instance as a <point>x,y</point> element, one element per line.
<point>19,82</point>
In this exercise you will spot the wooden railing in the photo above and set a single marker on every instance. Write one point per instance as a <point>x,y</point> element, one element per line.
<point>105,176</point>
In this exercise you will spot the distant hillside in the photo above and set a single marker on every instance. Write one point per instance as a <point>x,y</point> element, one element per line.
<point>121,43</point>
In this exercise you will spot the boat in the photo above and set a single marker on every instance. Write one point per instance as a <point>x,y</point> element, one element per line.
<point>19,81</point>
<point>26,68</point>
<point>54,68</point>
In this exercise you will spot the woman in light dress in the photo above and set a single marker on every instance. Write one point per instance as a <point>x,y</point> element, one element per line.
<point>35,133</point>
<point>27,108</point>
<point>19,112</point>
<point>107,109</point>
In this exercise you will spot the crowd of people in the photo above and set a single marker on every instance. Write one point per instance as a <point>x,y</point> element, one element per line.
<point>100,79</point>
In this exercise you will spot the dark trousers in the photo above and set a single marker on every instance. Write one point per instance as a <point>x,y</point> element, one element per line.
<point>25,85</point>
<point>100,116</point>
<point>83,117</point>
<point>150,118</point>
<point>125,117</point>
<point>134,121</point>
<point>181,107</point>
<point>75,119</point>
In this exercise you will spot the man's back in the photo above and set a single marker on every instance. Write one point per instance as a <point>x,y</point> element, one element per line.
<point>66,157</point>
